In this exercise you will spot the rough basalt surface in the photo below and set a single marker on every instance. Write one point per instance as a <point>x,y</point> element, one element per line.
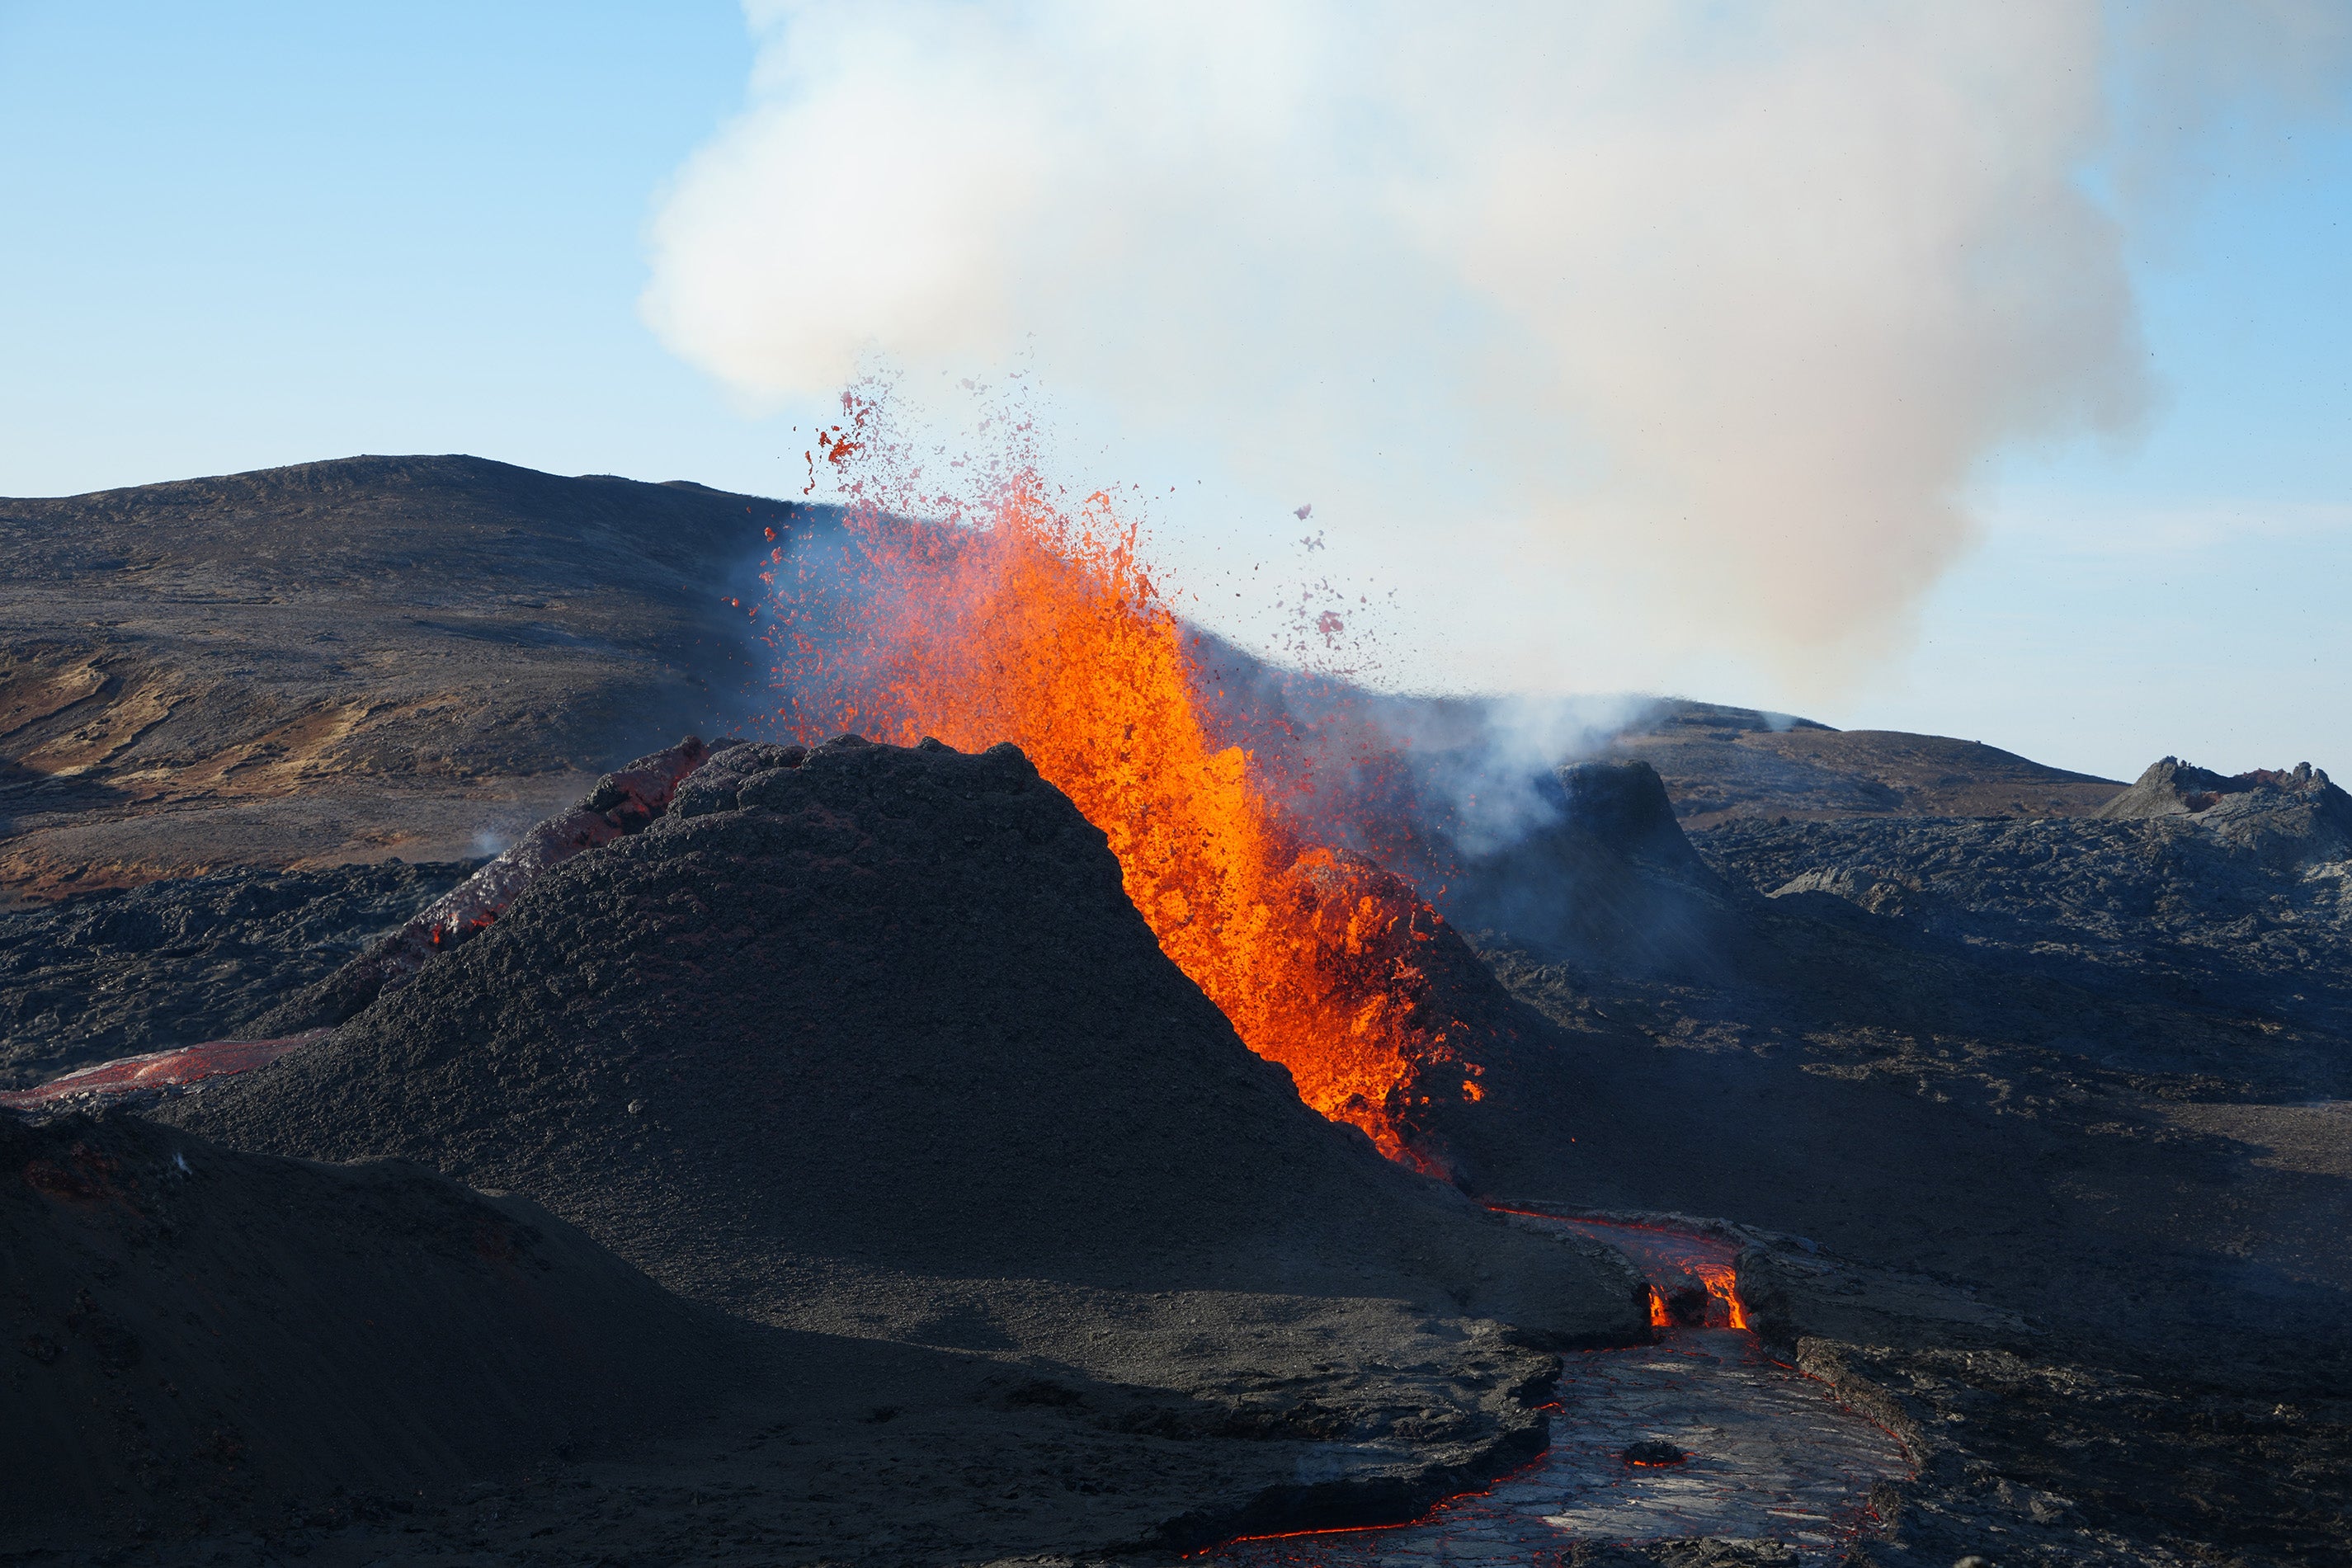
<point>623,802</point>
<point>892,1009</point>
<point>2074,1093</point>
<point>2030,1452</point>
<point>2065,1102</point>
<point>176,963</point>
<point>2242,909</point>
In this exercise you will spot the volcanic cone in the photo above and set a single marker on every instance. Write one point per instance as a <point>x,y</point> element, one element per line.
<point>866,1015</point>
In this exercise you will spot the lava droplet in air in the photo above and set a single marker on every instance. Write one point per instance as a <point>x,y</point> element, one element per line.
<point>1029,620</point>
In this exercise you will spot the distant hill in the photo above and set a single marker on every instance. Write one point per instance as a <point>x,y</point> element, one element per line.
<point>349,661</point>
<point>1725,764</point>
<point>346,661</point>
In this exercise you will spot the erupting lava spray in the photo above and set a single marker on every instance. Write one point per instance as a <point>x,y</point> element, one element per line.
<point>1021,618</point>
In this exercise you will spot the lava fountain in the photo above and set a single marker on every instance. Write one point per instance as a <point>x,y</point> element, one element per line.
<point>1025,618</point>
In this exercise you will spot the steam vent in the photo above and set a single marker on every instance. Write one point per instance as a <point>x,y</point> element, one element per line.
<point>560,1020</point>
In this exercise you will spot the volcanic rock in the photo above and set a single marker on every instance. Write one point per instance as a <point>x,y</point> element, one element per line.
<point>622,801</point>
<point>170,964</point>
<point>2171,904</point>
<point>2067,1091</point>
<point>2064,1460</point>
<point>718,786</point>
<point>1686,1298</point>
<point>2171,787</point>
<point>2068,1086</point>
<point>1623,805</point>
<point>869,1045</point>
<point>1609,881</point>
<point>2291,816</point>
<point>197,1338</point>
<point>1730,765</point>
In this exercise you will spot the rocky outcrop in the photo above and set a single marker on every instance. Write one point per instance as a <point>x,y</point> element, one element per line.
<point>623,802</point>
<point>1610,881</point>
<point>2290,815</point>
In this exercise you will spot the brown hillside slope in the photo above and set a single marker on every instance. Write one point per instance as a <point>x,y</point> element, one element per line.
<point>344,661</point>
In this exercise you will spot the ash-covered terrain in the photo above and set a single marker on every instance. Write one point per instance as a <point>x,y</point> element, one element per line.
<point>968,1228</point>
<point>200,1338</point>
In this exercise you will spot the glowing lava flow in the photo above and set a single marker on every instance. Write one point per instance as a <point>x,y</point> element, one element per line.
<point>1723,1285</point>
<point>1661,1250</point>
<point>1703,1434</point>
<point>1041,625</point>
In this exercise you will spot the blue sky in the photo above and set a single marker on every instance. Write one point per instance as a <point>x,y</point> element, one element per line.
<point>249,235</point>
<point>2189,591</point>
<point>246,236</point>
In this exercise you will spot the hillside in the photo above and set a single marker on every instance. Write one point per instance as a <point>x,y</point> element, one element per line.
<point>346,662</point>
<point>1725,764</point>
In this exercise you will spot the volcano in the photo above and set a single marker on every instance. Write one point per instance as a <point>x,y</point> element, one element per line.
<point>867,1043</point>
<point>2016,1095</point>
<point>881,1009</point>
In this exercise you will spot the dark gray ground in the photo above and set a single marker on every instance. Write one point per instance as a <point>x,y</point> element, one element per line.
<point>1727,764</point>
<point>197,1338</point>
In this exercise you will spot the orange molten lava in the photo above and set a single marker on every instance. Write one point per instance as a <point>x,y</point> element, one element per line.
<point>1040,626</point>
<point>1723,1285</point>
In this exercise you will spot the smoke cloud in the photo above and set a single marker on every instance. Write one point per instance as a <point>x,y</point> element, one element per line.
<point>1691,323</point>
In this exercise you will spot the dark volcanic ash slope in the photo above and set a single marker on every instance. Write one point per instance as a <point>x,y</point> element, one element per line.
<point>888,1011</point>
<point>199,1339</point>
<point>869,1045</point>
<point>341,661</point>
<point>1610,882</point>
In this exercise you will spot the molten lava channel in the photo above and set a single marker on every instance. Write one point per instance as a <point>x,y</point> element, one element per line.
<point>1040,624</point>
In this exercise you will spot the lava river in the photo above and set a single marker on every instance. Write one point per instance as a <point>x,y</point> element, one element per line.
<point>1701,1435</point>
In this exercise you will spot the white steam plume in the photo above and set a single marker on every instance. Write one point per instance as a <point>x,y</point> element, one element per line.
<point>1701,315</point>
